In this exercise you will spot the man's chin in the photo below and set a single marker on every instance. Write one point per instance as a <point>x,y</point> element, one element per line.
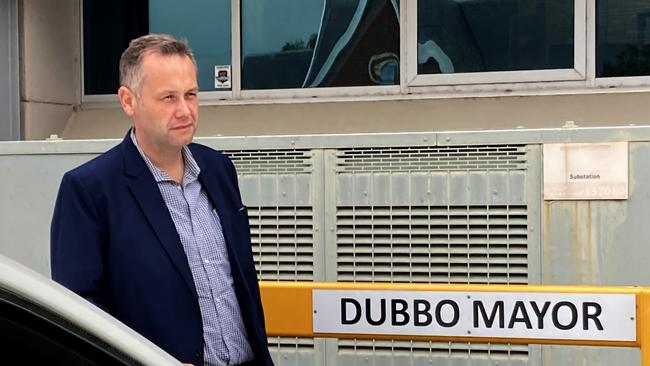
<point>184,142</point>
<point>184,137</point>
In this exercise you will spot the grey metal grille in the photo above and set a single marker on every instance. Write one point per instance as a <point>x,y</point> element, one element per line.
<point>282,241</point>
<point>478,235</point>
<point>458,244</point>
<point>501,354</point>
<point>388,229</point>
<point>281,234</point>
<point>449,244</point>
<point>290,344</point>
<point>432,158</point>
<point>279,161</point>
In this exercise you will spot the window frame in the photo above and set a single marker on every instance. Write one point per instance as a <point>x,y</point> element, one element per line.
<point>628,83</point>
<point>579,80</point>
<point>577,73</point>
<point>236,95</point>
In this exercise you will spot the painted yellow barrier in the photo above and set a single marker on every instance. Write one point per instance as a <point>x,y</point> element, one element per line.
<point>522,314</point>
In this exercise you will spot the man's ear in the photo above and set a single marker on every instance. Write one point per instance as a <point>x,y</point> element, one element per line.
<point>127,100</point>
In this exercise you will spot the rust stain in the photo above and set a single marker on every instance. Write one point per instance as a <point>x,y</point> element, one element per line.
<point>589,245</point>
<point>546,236</point>
<point>574,228</point>
<point>576,251</point>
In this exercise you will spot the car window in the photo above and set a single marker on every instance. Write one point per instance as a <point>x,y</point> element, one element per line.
<point>29,334</point>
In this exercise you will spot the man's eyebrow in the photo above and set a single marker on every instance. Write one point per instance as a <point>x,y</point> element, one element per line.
<point>172,91</point>
<point>168,91</point>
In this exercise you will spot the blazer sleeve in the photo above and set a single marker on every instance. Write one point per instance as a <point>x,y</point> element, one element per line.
<point>77,241</point>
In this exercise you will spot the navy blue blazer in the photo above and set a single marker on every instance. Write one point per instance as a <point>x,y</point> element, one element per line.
<point>114,243</point>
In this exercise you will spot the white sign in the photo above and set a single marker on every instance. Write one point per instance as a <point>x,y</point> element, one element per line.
<point>222,76</point>
<point>605,317</point>
<point>585,171</point>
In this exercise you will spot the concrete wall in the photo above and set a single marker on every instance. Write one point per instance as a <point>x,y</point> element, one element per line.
<point>611,109</point>
<point>50,65</point>
<point>51,101</point>
<point>583,242</point>
<point>9,84</point>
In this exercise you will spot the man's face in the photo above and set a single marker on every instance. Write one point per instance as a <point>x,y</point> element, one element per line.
<point>165,114</point>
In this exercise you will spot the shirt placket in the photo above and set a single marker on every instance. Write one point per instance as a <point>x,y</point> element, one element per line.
<point>221,265</point>
<point>210,299</point>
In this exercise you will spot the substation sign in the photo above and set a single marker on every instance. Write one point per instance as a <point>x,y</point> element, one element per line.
<point>594,171</point>
<point>527,315</point>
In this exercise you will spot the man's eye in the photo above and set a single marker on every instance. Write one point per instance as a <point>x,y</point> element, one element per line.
<point>168,97</point>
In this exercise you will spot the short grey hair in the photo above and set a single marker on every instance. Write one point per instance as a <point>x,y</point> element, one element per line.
<point>131,61</point>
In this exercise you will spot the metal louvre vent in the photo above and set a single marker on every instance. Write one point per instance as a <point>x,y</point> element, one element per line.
<point>503,354</point>
<point>449,244</point>
<point>282,241</point>
<point>291,344</point>
<point>281,232</point>
<point>280,161</point>
<point>432,158</point>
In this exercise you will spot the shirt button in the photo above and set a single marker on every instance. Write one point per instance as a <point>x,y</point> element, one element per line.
<point>199,354</point>
<point>207,261</point>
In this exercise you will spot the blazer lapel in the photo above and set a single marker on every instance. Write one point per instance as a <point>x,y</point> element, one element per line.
<point>211,183</point>
<point>146,192</point>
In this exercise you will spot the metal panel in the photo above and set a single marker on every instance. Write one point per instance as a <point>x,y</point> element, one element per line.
<point>430,214</point>
<point>277,185</point>
<point>27,194</point>
<point>460,207</point>
<point>599,243</point>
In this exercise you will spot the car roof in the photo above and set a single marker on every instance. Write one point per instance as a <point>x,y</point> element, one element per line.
<point>33,287</point>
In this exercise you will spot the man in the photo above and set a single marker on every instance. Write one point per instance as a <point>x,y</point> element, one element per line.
<point>154,231</point>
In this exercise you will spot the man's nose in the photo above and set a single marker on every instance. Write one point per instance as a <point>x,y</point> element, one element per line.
<point>183,108</point>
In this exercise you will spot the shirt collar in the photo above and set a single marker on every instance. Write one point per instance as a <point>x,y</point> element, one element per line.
<point>190,174</point>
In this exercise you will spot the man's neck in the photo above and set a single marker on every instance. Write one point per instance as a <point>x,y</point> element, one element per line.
<point>171,163</point>
<point>168,160</point>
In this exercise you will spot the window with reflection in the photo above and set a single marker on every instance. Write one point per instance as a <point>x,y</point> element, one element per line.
<point>205,24</point>
<point>108,26</point>
<point>319,43</point>
<point>31,333</point>
<point>622,38</point>
<point>465,36</point>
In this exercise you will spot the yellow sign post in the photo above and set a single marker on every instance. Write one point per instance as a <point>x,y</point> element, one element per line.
<point>521,314</point>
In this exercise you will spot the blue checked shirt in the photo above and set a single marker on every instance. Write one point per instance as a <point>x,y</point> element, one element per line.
<point>199,228</point>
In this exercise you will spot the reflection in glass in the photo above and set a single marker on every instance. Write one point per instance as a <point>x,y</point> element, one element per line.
<point>206,26</point>
<point>319,43</point>
<point>622,38</point>
<point>456,36</point>
<point>108,26</point>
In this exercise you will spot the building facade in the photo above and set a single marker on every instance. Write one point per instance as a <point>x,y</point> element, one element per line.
<point>333,66</point>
